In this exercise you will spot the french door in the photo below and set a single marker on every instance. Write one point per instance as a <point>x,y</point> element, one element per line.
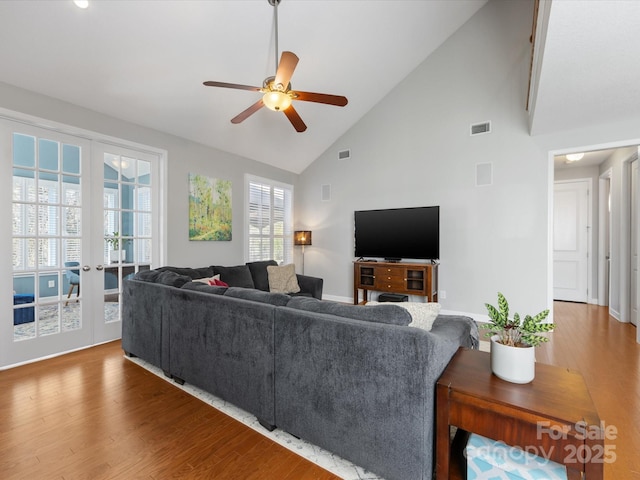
<point>82,220</point>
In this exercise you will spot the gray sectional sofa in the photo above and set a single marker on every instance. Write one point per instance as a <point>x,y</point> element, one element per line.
<point>354,380</point>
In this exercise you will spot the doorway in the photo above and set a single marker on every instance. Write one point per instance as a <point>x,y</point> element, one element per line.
<point>633,243</point>
<point>74,201</point>
<point>614,278</point>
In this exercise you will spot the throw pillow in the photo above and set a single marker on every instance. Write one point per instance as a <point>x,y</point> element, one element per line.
<point>422,314</point>
<point>218,283</point>
<point>283,279</point>
<point>207,280</point>
<point>188,271</point>
<point>172,279</point>
<point>237,276</point>
<point>259,273</point>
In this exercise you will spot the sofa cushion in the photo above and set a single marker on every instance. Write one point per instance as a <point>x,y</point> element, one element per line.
<point>238,276</point>
<point>259,273</point>
<point>172,279</point>
<point>201,287</point>
<point>277,299</point>
<point>389,313</point>
<point>283,279</point>
<point>188,271</point>
<point>147,275</point>
<point>422,314</point>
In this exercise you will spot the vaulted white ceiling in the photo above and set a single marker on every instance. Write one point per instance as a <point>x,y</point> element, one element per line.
<point>144,61</point>
<point>589,65</point>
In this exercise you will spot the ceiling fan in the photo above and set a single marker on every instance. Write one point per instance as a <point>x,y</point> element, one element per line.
<point>277,92</point>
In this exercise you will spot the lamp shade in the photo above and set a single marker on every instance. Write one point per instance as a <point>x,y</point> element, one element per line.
<point>302,237</point>
<point>276,100</point>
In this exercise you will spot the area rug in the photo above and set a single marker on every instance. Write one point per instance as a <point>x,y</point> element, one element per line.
<point>52,321</point>
<point>317,455</point>
<point>313,453</point>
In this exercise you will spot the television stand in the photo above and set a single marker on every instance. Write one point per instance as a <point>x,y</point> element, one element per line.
<point>395,277</point>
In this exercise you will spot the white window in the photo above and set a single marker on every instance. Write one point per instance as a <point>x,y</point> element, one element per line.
<point>270,226</point>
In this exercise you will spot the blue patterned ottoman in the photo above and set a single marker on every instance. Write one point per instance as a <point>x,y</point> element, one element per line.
<point>491,460</point>
<point>25,314</point>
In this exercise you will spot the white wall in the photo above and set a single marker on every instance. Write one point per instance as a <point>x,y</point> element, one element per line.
<point>414,149</point>
<point>184,157</point>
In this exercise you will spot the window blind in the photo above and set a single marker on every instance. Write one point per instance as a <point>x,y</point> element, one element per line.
<point>270,229</point>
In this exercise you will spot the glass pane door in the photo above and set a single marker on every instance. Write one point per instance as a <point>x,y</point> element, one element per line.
<point>48,205</point>
<point>83,219</point>
<point>127,228</point>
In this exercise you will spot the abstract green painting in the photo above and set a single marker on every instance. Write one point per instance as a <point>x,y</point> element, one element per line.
<point>209,208</point>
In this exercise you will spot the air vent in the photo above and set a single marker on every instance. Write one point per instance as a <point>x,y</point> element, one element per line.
<point>344,154</point>
<point>325,194</point>
<point>480,128</point>
<point>484,174</point>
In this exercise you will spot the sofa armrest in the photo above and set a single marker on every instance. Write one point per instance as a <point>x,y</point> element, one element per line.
<point>312,285</point>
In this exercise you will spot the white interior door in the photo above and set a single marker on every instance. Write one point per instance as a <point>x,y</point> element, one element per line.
<point>83,217</point>
<point>46,188</point>
<point>570,240</point>
<point>127,190</point>
<point>633,283</point>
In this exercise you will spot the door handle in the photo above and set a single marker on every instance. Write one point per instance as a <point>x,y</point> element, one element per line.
<point>86,268</point>
<point>99,267</point>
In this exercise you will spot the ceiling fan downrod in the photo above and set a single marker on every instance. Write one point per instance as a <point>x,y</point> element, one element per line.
<point>274,4</point>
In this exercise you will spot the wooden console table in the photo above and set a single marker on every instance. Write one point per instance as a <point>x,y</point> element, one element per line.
<point>405,278</point>
<point>553,414</point>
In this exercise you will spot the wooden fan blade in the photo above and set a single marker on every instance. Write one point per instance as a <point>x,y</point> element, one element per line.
<point>248,112</point>
<point>337,100</point>
<point>287,65</point>
<point>231,85</point>
<point>295,119</point>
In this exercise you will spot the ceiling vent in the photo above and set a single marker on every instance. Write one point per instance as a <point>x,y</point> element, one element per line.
<point>344,154</point>
<point>480,128</point>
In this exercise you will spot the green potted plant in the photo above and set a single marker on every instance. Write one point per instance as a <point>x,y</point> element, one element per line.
<point>115,254</point>
<point>513,341</point>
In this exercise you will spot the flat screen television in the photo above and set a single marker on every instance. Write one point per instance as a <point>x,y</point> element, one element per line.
<point>398,233</point>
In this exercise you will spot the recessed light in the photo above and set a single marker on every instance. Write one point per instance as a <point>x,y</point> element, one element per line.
<point>81,3</point>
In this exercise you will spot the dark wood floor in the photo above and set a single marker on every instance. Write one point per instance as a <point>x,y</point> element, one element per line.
<point>605,351</point>
<point>95,415</point>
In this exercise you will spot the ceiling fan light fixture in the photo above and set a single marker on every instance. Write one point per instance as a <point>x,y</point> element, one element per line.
<point>574,157</point>
<point>276,100</point>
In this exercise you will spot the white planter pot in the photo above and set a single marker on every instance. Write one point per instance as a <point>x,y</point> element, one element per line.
<point>117,256</point>
<point>513,364</point>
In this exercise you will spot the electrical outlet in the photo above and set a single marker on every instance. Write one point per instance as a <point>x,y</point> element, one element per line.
<point>52,283</point>
<point>443,294</point>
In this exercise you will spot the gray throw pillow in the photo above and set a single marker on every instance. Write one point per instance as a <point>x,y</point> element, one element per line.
<point>147,276</point>
<point>172,279</point>
<point>259,273</point>
<point>189,272</point>
<point>238,276</point>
